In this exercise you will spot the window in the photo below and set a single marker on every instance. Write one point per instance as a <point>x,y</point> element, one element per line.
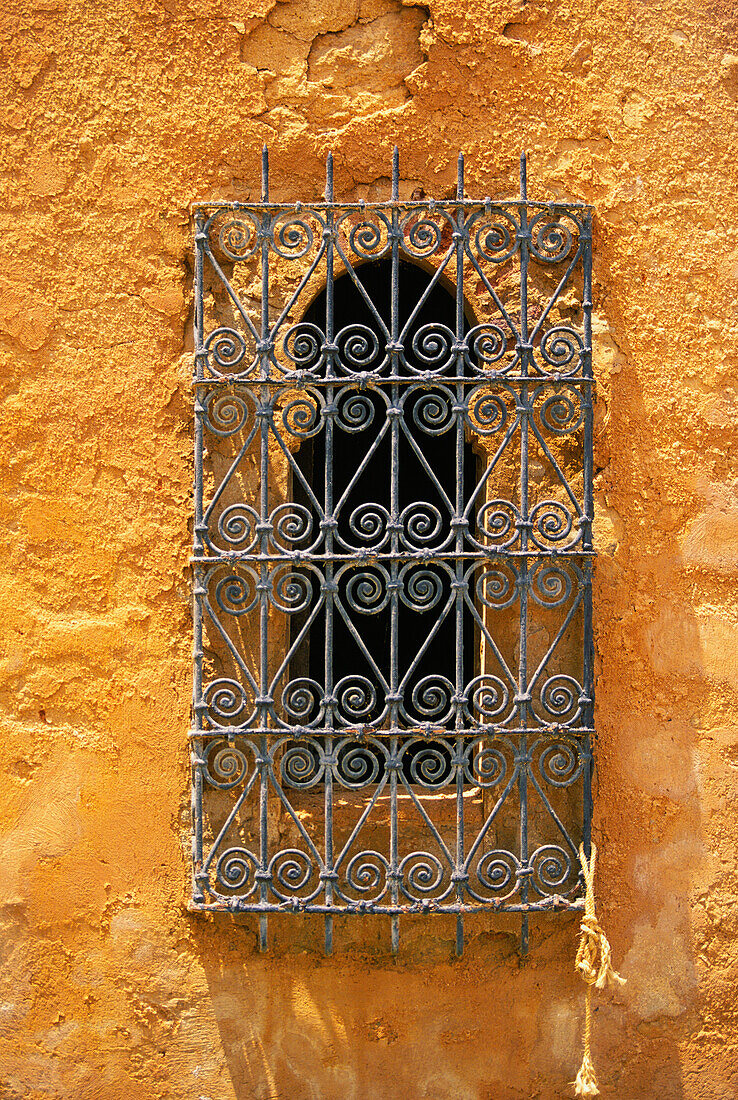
<point>392,552</point>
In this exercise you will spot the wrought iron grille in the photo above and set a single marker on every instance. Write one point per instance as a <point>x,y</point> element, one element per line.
<point>393,696</point>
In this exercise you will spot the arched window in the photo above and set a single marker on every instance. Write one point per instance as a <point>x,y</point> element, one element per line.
<point>393,626</point>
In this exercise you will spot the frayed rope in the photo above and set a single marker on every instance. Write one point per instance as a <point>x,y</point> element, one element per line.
<point>593,942</point>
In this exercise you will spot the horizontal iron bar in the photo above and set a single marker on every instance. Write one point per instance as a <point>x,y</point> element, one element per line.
<point>361,558</point>
<point>555,903</point>
<point>427,732</point>
<point>397,204</point>
<point>372,381</point>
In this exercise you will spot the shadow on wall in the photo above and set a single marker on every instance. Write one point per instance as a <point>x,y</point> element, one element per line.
<point>294,1024</point>
<point>652,683</point>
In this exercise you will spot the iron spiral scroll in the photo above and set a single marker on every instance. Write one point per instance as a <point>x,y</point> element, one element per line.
<point>393,670</point>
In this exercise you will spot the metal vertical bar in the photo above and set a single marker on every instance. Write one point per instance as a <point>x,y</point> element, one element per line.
<point>588,708</point>
<point>196,749</point>
<point>587,499</point>
<point>394,542</point>
<point>200,359</point>
<point>460,561</point>
<point>588,507</point>
<point>264,569</point>
<point>524,580</point>
<point>197,549</point>
<point>329,550</point>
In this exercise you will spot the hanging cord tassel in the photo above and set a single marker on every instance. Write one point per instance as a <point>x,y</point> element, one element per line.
<point>592,941</point>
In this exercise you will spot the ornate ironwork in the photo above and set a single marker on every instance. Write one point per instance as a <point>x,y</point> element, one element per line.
<point>416,781</point>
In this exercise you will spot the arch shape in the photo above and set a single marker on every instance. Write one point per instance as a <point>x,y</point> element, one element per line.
<point>392,494</point>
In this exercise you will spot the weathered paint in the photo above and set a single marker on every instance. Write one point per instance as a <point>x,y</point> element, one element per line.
<point>116,116</point>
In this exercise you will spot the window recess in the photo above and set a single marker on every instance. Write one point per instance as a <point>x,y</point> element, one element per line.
<point>393,696</point>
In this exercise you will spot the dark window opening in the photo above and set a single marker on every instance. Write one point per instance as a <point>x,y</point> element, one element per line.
<point>359,519</point>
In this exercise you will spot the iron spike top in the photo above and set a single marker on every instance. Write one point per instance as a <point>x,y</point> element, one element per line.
<point>523,176</point>
<point>460,177</point>
<point>265,174</point>
<point>395,174</point>
<point>329,178</point>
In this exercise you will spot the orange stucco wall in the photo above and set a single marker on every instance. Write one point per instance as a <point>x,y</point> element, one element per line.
<point>116,116</point>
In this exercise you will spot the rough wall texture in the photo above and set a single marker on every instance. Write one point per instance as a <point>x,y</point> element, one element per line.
<point>116,115</point>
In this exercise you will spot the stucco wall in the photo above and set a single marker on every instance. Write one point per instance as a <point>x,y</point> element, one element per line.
<point>116,116</point>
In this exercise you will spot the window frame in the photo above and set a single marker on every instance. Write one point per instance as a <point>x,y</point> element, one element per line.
<point>542,560</point>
